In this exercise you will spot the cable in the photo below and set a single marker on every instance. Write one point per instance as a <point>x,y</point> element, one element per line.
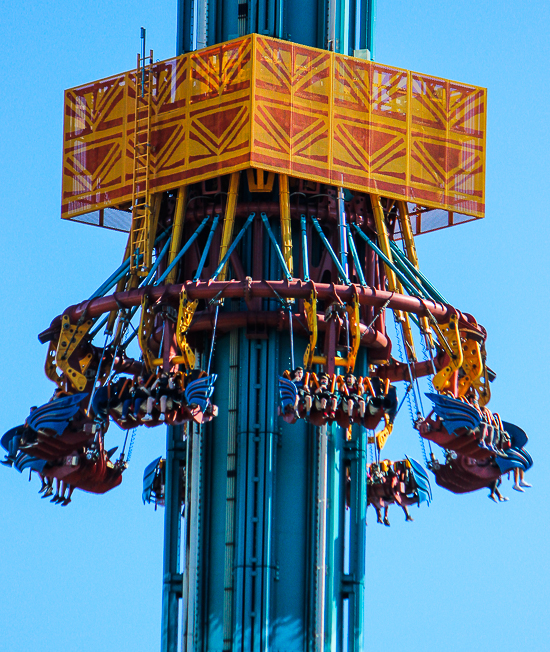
<point>213,339</point>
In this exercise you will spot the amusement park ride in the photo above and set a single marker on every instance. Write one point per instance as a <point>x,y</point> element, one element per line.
<point>272,178</point>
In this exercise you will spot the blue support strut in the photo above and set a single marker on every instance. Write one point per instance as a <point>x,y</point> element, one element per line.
<point>409,283</point>
<point>342,231</point>
<point>430,289</point>
<point>206,249</point>
<point>183,250</point>
<point>305,260</point>
<point>277,248</point>
<point>355,257</point>
<point>233,245</point>
<point>334,257</point>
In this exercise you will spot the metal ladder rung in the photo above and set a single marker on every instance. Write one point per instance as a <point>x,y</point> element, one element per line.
<point>141,203</point>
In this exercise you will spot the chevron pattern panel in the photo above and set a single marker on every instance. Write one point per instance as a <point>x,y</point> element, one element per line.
<point>259,102</point>
<point>292,109</point>
<point>371,127</point>
<point>200,127</point>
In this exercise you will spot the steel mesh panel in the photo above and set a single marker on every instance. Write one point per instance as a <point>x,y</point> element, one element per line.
<point>426,220</point>
<point>107,218</point>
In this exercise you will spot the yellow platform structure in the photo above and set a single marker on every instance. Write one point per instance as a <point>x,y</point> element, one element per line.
<point>258,102</point>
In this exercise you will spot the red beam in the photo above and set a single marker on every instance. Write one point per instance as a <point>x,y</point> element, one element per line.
<point>247,289</point>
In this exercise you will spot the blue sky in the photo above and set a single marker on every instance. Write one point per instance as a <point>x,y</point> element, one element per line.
<point>467,574</point>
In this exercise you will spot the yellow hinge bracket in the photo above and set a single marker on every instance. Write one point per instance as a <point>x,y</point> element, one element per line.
<point>185,317</point>
<point>69,338</point>
<point>260,180</point>
<point>451,336</point>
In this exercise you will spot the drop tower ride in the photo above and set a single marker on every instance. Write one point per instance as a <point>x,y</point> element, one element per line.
<point>265,176</point>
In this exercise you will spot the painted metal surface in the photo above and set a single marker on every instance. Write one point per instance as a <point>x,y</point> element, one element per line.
<point>172,577</point>
<point>250,521</point>
<point>349,26</point>
<point>259,102</point>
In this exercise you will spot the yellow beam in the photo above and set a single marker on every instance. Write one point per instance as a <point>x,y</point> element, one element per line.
<point>286,231</point>
<point>310,308</point>
<point>393,284</point>
<point>229,221</point>
<point>410,250</point>
<point>406,230</point>
<point>177,231</point>
<point>384,240</point>
<point>338,361</point>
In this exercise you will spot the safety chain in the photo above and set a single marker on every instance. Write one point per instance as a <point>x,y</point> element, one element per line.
<point>378,314</point>
<point>131,446</point>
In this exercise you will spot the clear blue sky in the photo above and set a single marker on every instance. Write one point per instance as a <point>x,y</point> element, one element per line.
<point>467,575</point>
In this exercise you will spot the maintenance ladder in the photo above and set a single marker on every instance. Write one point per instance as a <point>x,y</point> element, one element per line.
<point>140,233</point>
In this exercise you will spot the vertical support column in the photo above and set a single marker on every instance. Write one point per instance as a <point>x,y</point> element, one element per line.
<point>319,558</point>
<point>353,581</point>
<point>228,222</point>
<point>345,540</point>
<point>254,565</point>
<point>371,24</point>
<point>229,579</point>
<point>342,229</point>
<point>286,230</point>
<point>172,578</point>
<point>335,537</point>
<point>192,580</point>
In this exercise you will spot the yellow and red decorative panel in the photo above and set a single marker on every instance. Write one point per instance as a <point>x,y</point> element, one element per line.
<point>263,103</point>
<point>200,127</point>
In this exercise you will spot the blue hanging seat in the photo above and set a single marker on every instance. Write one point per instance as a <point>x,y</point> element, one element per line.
<point>56,414</point>
<point>149,476</point>
<point>454,413</point>
<point>199,391</point>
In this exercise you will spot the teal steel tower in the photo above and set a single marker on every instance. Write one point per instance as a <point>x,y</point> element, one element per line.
<point>272,559</point>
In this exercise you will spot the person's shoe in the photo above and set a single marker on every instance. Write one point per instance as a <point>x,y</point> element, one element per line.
<point>162,417</point>
<point>522,483</point>
<point>518,488</point>
<point>409,518</point>
<point>503,499</point>
<point>493,497</point>
<point>147,417</point>
<point>55,499</point>
<point>387,522</point>
<point>65,502</point>
<point>48,492</point>
<point>379,520</point>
